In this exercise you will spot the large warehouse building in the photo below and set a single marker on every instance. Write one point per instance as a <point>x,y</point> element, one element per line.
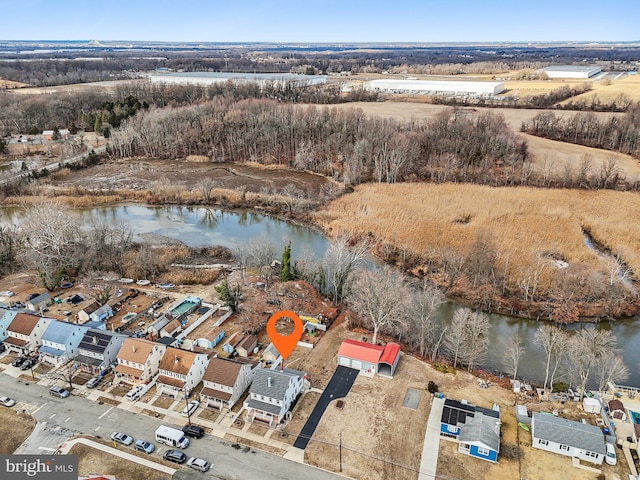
<point>439,87</point>
<point>211,78</point>
<point>571,71</point>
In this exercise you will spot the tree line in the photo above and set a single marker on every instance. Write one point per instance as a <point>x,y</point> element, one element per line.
<point>346,145</point>
<point>617,133</point>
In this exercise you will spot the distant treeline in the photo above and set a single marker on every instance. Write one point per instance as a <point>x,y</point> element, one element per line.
<point>346,145</point>
<point>617,133</point>
<point>88,110</point>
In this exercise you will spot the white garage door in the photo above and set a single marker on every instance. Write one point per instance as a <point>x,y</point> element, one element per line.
<point>357,364</point>
<point>345,362</point>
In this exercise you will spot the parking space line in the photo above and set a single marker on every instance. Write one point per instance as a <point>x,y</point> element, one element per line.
<point>105,413</point>
<point>52,416</point>
<point>97,428</point>
<point>68,418</point>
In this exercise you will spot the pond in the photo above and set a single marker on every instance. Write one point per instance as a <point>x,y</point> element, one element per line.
<point>197,226</point>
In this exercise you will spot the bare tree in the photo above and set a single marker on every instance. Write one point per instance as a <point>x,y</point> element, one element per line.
<point>617,270</point>
<point>454,341</point>
<point>476,329</point>
<point>611,368</point>
<point>262,253</point>
<point>513,353</point>
<point>378,294</point>
<point>586,348</point>
<point>52,238</point>
<point>205,185</point>
<point>338,263</point>
<point>551,339</point>
<point>422,308</point>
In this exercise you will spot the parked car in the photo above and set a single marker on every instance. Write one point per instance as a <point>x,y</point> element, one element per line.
<point>136,392</point>
<point>175,456</point>
<point>28,363</point>
<point>93,381</point>
<point>57,391</point>
<point>144,446</point>
<point>7,402</point>
<point>6,293</point>
<point>190,408</point>
<point>610,457</point>
<point>193,431</point>
<point>31,296</point>
<point>2,347</point>
<point>122,438</point>
<point>198,464</point>
<point>19,361</point>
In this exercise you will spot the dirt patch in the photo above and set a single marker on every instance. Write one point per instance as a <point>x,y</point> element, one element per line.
<point>93,461</point>
<point>163,402</point>
<point>209,414</point>
<point>14,429</point>
<point>248,444</point>
<point>109,401</point>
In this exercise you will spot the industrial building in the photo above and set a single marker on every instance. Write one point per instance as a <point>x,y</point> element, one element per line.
<point>211,78</point>
<point>571,71</point>
<point>438,87</point>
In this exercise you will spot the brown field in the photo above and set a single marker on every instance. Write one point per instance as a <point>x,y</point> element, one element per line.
<point>93,461</point>
<point>521,221</point>
<point>530,88</point>
<point>14,428</point>
<point>628,86</point>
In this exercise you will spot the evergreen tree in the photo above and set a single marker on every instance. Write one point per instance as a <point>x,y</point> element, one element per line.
<point>229,296</point>
<point>286,272</point>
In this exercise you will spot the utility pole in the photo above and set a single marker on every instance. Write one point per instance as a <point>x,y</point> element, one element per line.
<point>186,401</point>
<point>340,449</point>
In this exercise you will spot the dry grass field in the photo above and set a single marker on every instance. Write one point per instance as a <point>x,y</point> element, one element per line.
<point>14,428</point>
<point>521,221</point>
<point>628,86</point>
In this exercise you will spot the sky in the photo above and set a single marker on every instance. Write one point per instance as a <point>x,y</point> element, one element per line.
<point>290,21</point>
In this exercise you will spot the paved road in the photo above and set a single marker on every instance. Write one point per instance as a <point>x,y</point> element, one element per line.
<point>60,419</point>
<point>338,387</point>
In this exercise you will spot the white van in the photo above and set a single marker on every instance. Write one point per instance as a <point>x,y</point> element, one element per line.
<point>136,392</point>
<point>171,436</point>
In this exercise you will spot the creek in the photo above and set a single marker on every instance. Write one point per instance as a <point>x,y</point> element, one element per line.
<point>198,226</point>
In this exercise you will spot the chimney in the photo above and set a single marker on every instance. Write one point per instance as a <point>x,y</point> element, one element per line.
<point>94,340</point>
<point>133,347</point>
<point>268,381</point>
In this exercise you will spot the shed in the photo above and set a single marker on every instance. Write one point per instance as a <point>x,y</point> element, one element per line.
<point>522,415</point>
<point>246,345</point>
<point>270,354</point>
<point>41,301</point>
<point>591,405</point>
<point>360,356</point>
<point>617,410</point>
<point>389,360</point>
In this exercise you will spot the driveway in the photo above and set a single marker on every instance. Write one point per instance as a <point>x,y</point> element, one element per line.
<point>339,385</point>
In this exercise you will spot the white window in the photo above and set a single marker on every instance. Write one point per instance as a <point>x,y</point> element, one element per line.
<point>542,442</point>
<point>564,447</point>
<point>452,428</point>
<point>591,454</point>
<point>483,451</point>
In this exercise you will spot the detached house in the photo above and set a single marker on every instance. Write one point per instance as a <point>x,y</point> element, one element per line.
<point>101,314</point>
<point>566,437</point>
<point>272,393</point>
<point>180,371</point>
<point>368,358</point>
<point>225,381</point>
<point>6,316</point>
<point>98,350</point>
<point>24,332</point>
<point>40,302</point>
<point>138,360</point>
<point>476,429</point>
<point>60,342</point>
<point>83,314</point>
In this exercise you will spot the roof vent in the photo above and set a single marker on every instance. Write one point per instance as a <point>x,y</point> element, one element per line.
<point>133,347</point>
<point>177,359</point>
<point>269,381</point>
<point>94,340</point>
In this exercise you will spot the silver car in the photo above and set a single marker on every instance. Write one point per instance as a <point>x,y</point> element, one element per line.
<point>198,464</point>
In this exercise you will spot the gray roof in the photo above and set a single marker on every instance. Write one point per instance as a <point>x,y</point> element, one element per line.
<point>567,432</point>
<point>279,382</point>
<point>160,323</point>
<point>264,406</point>
<point>570,68</point>
<point>43,297</point>
<point>96,362</point>
<point>97,340</point>
<point>61,332</point>
<point>244,76</point>
<point>104,309</point>
<point>482,429</point>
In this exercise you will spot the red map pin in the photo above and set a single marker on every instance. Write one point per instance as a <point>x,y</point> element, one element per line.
<point>285,344</point>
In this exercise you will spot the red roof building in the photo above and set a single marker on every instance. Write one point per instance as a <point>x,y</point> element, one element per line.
<point>368,358</point>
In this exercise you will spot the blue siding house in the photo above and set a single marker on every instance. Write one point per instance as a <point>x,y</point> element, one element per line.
<point>101,314</point>
<point>60,342</point>
<point>477,429</point>
<point>6,316</point>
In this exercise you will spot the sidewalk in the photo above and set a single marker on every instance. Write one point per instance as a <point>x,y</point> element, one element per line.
<point>64,449</point>
<point>429,460</point>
